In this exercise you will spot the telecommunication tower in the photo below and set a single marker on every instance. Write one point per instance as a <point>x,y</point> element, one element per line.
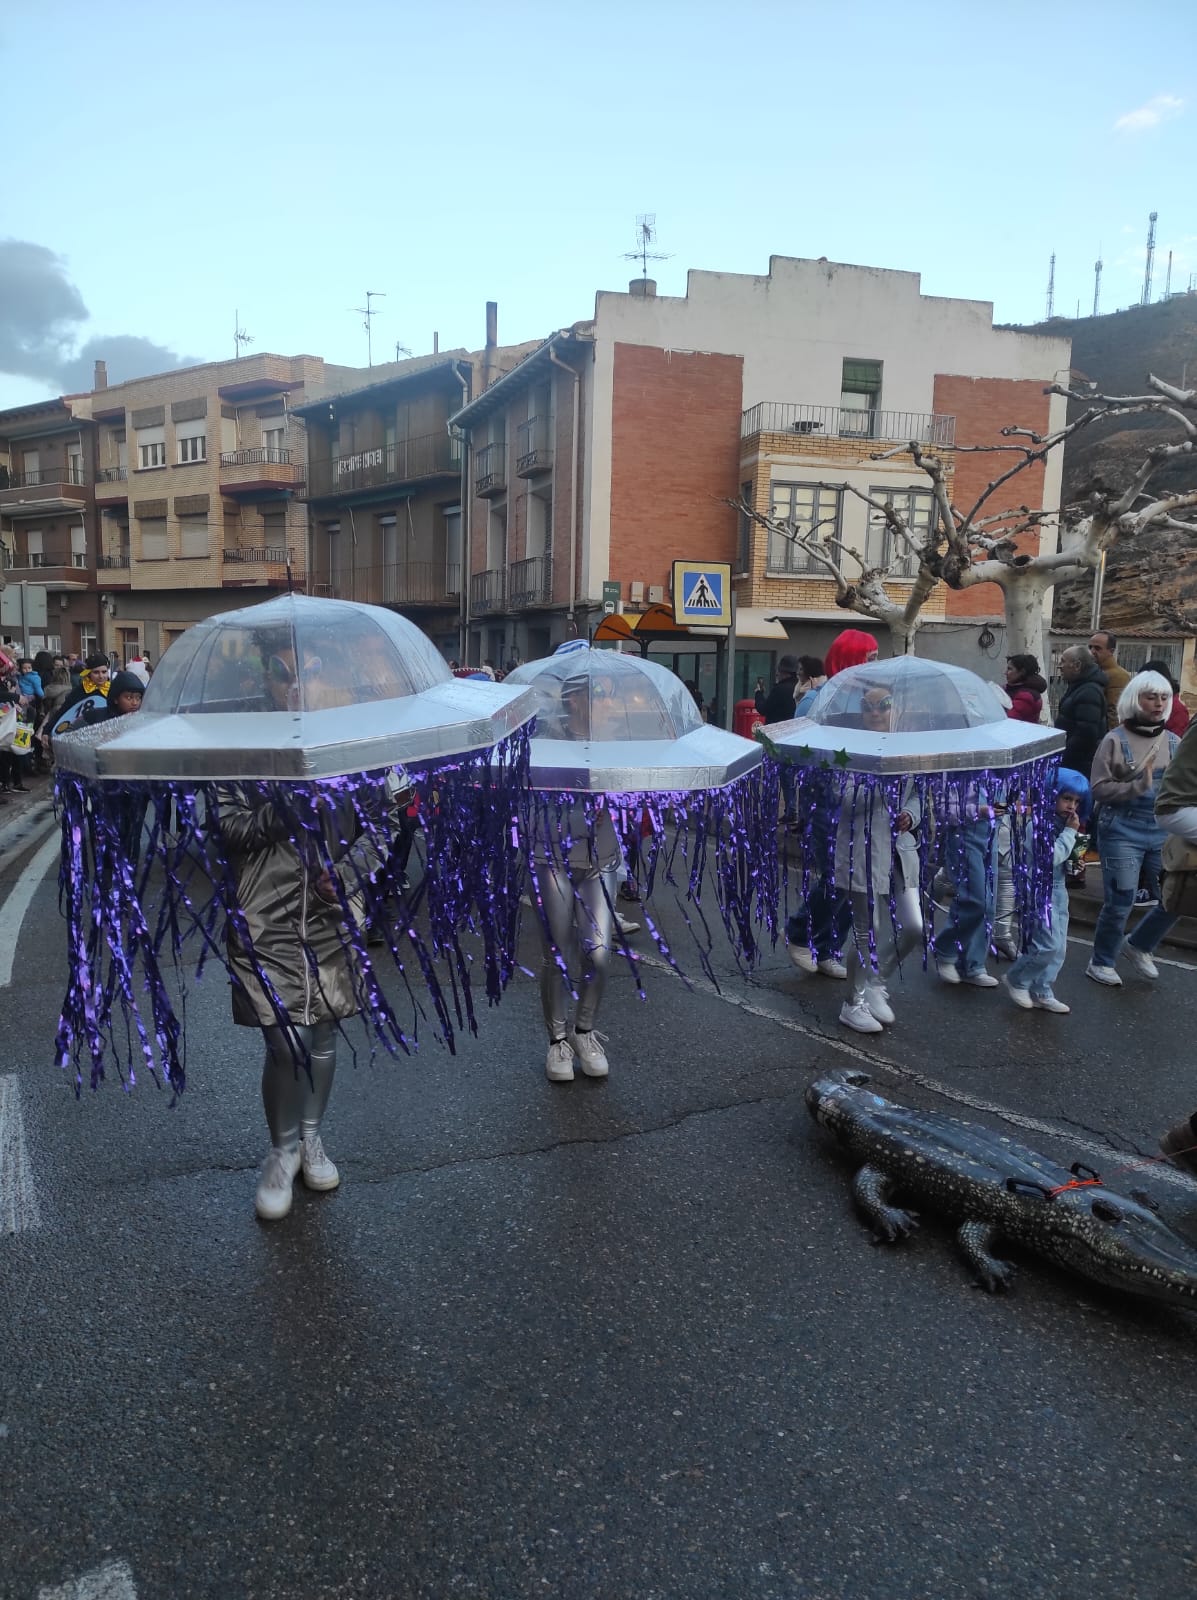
<point>1146,300</point>
<point>1051,287</point>
<point>1168,278</point>
<point>1097,265</point>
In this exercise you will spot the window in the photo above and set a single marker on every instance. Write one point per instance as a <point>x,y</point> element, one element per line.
<point>74,463</point>
<point>744,555</point>
<point>806,509</point>
<point>916,507</point>
<point>452,516</point>
<point>274,529</point>
<point>539,541</point>
<point>193,536</point>
<point>390,440</point>
<point>79,546</point>
<point>191,440</point>
<point>31,467</point>
<point>151,448</point>
<point>496,538</point>
<point>274,438</point>
<point>860,398</point>
<point>154,546</point>
<point>35,556</point>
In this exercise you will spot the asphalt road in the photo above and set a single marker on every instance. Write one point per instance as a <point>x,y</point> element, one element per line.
<point>619,1339</point>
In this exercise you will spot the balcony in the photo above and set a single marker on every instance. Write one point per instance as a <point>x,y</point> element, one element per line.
<point>490,471</point>
<point>411,583</point>
<point>533,448</point>
<point>530,583</point>
<point>257,472</point>
<point>112,486</point>
<point>838,422</point>
<point>246,565</point>
<point>112,559</point>
<point>42,493</point>
<point>430,455</point>
<point>488,591</point>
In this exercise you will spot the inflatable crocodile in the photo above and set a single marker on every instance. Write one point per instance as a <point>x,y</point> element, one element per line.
<point>995,1188</point>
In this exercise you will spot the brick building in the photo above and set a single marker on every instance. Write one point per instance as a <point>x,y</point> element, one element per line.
<point>617,446</point>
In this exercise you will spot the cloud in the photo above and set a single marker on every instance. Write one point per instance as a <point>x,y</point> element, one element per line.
<point>41,314</point>
<point>1160,108</point>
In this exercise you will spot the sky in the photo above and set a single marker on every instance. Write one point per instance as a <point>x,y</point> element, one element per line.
<point>173,173</point>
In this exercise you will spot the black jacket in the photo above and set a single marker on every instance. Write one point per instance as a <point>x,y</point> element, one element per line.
<point>779,702</point>
<point>1083,718</point>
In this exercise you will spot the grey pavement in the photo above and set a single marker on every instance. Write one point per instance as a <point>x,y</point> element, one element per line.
<point>597,1339</point>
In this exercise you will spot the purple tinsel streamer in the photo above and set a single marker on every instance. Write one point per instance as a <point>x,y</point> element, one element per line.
<point>949,803</point>
<point>148,887</point>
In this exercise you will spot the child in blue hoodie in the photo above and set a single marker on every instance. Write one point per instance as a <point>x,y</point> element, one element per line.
<point>1031,977</point>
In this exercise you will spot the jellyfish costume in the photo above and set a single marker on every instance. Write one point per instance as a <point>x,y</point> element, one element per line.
<point>952,761</point>
<point>622,763</point>
<point>246,818</point>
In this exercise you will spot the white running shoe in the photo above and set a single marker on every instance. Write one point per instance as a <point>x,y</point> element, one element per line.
<point>803,957</point>
<point>857,1016</point>
<point>318,1171</point>
<point>1021,997</point>
<point>831,968</point>
<point>1104,975</point>
<point>876,999</point>
<point>981,979</point>
<point>588,1047</point>
<point>560,1062</point>
<point>1048,1002</point>
<point>626,925</point>
<point>1140,961</point>
<point>948,971</point>
<point>275,1184</point>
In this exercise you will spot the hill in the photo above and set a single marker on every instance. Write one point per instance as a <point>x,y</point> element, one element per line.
<point>1151,580</point>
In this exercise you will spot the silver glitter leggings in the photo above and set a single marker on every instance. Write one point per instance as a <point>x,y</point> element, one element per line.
<point>578,912</point>
<point>297,1078</point>
<point>890,951</point>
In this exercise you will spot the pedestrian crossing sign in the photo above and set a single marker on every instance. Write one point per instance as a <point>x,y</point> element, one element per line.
<point>702,593</point>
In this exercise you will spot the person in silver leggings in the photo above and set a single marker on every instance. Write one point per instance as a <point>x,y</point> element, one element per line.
<point>865,983</point>
<point>297,1079</point>
<point>578,908</point>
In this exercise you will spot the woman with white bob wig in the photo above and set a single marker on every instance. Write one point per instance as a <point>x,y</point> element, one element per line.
<point>1128,769</point>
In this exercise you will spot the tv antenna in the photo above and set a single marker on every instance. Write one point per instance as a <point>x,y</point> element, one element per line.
<point>240,336</point>
<point>646,235</point>
<point>367,314</point>
<point>401,350</point>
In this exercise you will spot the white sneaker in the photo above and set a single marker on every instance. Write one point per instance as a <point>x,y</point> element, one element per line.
<point>275,1184</point>
<point>1140,961</point>
<point>560,1062</point>
<point>318,1171</point>
<point>830,968</point>
<point>948,971</point>
<point>626,925</point>
<point>803,957</point>
<point>981,979</point>
<point>1105,975</point>
<point>1021,997</point>
<point>876,999</point>
<point>588,1047</point>
<point>858,1017</point>
<point>1048,1002</point>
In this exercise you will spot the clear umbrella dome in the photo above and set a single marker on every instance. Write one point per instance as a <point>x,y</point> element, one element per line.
<point>922,696</point>
<point>599,695</point>
<point>294,653</point>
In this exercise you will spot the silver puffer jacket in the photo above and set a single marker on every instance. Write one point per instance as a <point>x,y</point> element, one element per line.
<point>297,936</point>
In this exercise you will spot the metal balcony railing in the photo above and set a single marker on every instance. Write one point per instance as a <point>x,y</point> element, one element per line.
<point>488,591</point>
<point>530,582</point>
<point>490,469</point>
<point>409,583</point>
<point>275,555</point>
<point>113,475</point>
<point>839,422</point>
<point>430,455</point>
<point>255,458</point>
<point>533,447</point>
<point>117,558</point>
<point>42,476</point>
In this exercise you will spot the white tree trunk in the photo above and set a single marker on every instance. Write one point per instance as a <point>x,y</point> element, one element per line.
<point>1025,592</point>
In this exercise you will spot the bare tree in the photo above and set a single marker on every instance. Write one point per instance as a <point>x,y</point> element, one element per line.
<point>966,546</point>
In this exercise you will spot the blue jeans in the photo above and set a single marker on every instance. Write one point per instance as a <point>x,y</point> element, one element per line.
<point>823,922</point>
<point>1127,845</point>
<point>969,861</point>
<point>1039,965</point>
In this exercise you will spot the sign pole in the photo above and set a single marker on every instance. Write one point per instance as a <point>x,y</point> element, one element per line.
<point>729,684</point>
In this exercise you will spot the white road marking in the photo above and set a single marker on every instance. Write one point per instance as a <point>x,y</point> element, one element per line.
<point>1123,1159</point>
<point>18,1200</point>
<point>12,913</point>
<point>1160,961</point>
<point>112,1581</point>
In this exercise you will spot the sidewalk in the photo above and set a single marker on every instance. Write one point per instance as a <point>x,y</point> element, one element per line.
<point>1084,903</point>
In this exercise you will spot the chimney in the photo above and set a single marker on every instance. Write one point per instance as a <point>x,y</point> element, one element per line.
<point>643,288</point>
<point>490,359</point>
<point>101,378</point>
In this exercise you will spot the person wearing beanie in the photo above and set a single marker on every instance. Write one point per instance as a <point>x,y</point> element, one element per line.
<point>852,648</point>
<point>1026,687</point>
<point>91,695</point>
<point>779,702</point>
